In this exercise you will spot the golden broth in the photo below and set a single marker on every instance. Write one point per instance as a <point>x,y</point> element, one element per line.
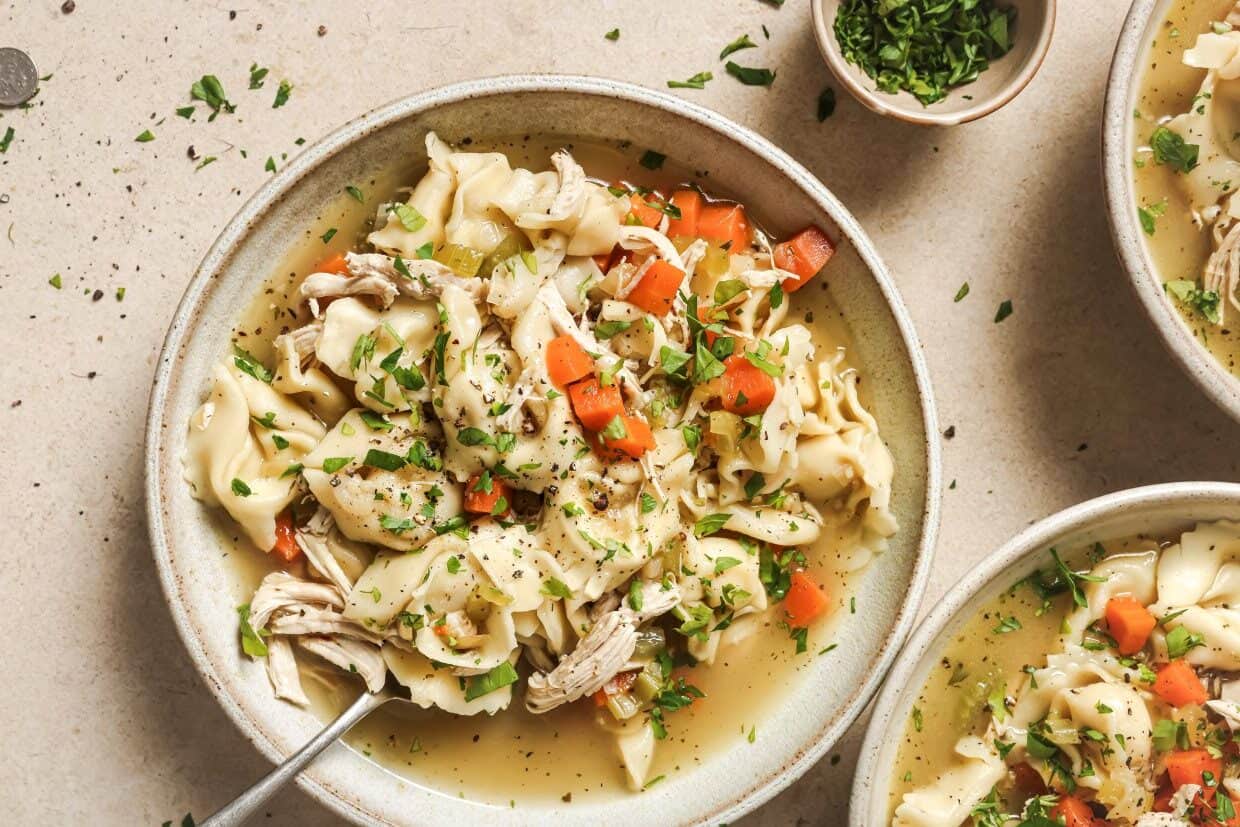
<point>562,754</point>
<point>1178,247</point>
<point>980,659</point>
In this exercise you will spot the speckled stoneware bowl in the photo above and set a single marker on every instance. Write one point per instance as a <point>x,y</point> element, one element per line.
<point>805,724</point>
<point>1118,150</point>
<point>993,89</point>
<point>1154,508</point>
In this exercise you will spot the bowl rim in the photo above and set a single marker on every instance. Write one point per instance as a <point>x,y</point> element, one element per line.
<point>158,471</point>
<point>893,105</point>
<point>1202,366</point>
<point>1032,540</point>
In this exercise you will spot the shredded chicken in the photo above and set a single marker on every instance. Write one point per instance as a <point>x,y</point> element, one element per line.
<point>569,197</point>
<point>638,237</point>
<point>311,620</point>
<point>282,670</point>
<point>300,342</point>
<point>600,654</point>
<point>312,540</point>
<point>1222,270</point>
<point>351,656</point>
<point>375,274</point>
<point>522,391</point>
<point>1162,820</point>
<point>1228,710</point>
<point>282,591</point>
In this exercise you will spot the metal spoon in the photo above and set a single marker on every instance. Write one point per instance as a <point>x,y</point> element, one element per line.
<point>249,802</point>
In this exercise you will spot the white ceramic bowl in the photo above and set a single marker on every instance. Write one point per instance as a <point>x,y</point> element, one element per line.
<point>784,194</point>
<point>1155,508</point>
<point>994,88</point>
<point>1118,150</point>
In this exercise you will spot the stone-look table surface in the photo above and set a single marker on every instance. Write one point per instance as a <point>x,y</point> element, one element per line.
<point>102,719</point>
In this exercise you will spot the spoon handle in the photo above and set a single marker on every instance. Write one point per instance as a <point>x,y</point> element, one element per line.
<point>246,804</point>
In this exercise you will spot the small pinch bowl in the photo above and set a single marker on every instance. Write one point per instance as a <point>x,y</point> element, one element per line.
<point>993,89</point>
<point>1155,508</point>
<point>184,536</point>
<point>1118,149</point>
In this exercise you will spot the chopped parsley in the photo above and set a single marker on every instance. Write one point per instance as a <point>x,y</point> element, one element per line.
<point>145,137</point>
<point>257,74</point>
<point>750,76</point>
<point>554,587</point>
<point>499,677</point>
<point>251,642</point>
<point>924,47</point>
<point>1205,302</point>
<point>652,160</point>
<point>710,524</point>
<point>1171,149</point>
<point>282,94</point>
<point>210,91</point>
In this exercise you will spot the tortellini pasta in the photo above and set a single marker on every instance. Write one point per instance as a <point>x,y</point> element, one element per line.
<point>538,422</point>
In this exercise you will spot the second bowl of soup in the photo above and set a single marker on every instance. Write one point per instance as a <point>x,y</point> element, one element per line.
<point>1172,169</point>
<point>1087,674</point>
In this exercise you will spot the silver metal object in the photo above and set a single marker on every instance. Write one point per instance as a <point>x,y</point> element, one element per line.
<point>18,77</point>
<point>249,802</point>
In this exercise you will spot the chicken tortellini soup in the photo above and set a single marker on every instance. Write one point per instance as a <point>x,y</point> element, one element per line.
<point>1103,691</point>
<point>1187,167</point>
<point>568,459</point>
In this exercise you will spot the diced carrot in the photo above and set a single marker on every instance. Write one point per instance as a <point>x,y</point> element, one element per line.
<point>645,214</point>
<point>333,264</point>
<point>286,538</point>
<point>708,315</point>
<point>567,361</point>
<point>604,451</point>
<point>595,404</point>
<point>805,601</point>
<point>478,501</point>
<point>724,223</point>
<point>1178,684</point>
<point>803,255</point>
<point>620,683</point>
<point>1073,811</point>
<point>747,389</point>
<point>657,288</point>
<point>689,202</point>
<point>1189,766</point>
<point>637,439</point>
<point>1129,623</point>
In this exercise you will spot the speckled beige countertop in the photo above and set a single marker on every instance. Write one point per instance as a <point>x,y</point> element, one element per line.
<point>102,719</point>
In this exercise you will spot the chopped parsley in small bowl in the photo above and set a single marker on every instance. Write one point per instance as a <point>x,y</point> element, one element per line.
<point>934,62</point>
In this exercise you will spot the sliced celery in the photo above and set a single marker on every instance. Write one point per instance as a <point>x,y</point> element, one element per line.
<point>462,260</point>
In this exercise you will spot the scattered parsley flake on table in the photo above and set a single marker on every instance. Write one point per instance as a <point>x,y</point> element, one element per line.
<point>749,75</point>
<point>742,42</point>
<point>698,81</point>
